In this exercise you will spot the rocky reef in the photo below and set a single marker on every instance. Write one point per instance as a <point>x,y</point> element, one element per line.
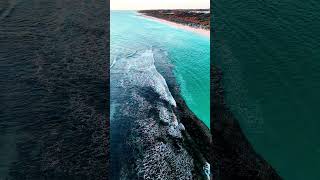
<point>199,18</point>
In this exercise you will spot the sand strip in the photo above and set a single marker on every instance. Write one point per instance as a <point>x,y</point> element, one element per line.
<point>203,32</point>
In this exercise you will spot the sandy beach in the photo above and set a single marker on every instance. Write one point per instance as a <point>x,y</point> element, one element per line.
<point>203,32</point>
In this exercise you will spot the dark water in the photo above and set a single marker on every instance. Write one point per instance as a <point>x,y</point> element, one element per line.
<point>53,89</point>
<point>269,53</point>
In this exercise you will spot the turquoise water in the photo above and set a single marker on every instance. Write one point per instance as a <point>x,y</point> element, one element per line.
<point>269,52</point>
<point>187,52</point>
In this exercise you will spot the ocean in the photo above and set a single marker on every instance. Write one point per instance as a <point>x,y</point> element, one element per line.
<point>186,52</point>
<point>152,66</point>
<point>53,86</point>
<point>269,54</point>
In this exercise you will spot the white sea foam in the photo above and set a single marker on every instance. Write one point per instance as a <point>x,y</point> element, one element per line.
<point>138,70</point>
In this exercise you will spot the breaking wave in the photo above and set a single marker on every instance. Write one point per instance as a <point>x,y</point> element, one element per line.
<point>138,70</point>
<point>145,130</point>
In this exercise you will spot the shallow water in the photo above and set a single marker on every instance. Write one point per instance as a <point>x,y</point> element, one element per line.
<point>269,54</point>
<point>188,53</point>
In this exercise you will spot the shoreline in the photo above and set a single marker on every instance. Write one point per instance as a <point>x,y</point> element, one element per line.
<point>200,31</point>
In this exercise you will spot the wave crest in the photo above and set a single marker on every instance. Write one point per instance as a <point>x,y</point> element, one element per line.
<point>138,70</point>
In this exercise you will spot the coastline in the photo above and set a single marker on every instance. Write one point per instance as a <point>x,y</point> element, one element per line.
<point>200,31</point>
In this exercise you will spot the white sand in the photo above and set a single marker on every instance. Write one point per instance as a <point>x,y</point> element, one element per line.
<point>203,32</point>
